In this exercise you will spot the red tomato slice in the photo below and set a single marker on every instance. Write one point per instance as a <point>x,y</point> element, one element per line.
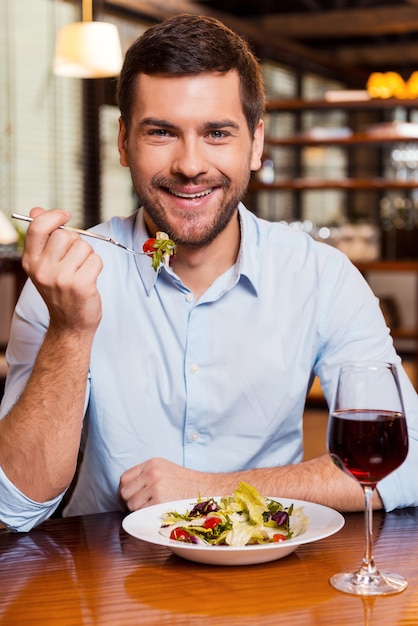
<point>148,246</point>
<point>179,534</point>
<point>279,537</point>
<point>211,522</point>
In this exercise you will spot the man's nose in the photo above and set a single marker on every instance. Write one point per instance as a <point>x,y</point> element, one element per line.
<point>190,158</point>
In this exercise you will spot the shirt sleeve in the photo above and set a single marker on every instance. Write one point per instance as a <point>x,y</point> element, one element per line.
<point>29,324</point>
<point>400,489</point>
<point>353,328</point>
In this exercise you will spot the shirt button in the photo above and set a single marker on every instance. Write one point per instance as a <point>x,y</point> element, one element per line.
<point>194,368</point>
<point>194,436</point>
<point>189,297</point>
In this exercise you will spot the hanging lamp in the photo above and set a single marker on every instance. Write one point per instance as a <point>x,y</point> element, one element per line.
<point>88,49</point>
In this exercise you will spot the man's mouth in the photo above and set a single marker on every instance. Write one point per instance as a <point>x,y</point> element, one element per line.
<point>190,196</point>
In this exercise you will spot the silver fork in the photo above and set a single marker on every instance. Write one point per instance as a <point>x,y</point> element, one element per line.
<point>80,231</point>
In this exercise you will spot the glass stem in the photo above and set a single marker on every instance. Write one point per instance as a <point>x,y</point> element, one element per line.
<point>368,566</point>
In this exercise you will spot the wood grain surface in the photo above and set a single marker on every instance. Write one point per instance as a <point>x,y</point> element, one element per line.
<point>87,570</point>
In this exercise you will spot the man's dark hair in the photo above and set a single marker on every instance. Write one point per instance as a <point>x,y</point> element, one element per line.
<point>189,44</point>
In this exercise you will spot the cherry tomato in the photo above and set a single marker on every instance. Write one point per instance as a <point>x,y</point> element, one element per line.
<point>211,522</point>
<point>148,246</point>
<point>179,534</point>
<point>279,537</point>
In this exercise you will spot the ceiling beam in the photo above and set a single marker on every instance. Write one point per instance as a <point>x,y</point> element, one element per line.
<point>379,55</point>
<point>344,23</point>
<point>273,46</point>
<point>155,9</point>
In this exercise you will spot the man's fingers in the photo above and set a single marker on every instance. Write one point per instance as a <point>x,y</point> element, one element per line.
<point>43,225</point>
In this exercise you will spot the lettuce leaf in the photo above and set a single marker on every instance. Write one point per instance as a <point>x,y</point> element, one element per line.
<point>251,501</point>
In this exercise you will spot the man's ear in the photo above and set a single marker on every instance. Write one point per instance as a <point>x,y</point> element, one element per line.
<point>258,146</point>
<point>122,144</point>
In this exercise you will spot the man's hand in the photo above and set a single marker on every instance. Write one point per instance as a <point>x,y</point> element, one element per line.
<point>64,269</point>
<point>159,480</point>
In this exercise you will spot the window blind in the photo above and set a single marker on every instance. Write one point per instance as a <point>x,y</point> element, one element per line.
<point>40,114</point>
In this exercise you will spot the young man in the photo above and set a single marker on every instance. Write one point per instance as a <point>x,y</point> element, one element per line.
<point>192,378</point>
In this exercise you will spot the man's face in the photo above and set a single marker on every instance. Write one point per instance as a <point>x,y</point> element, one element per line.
<point>190,152</point>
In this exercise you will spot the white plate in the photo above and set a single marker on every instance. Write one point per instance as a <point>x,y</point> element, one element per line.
<point>145,524</point>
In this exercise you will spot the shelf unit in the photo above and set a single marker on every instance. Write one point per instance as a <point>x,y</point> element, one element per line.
<point>359,178</point>
<point>364,152</point>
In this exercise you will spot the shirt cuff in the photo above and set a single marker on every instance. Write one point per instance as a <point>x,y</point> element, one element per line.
<point>18,512</point>
<point>400,489</point>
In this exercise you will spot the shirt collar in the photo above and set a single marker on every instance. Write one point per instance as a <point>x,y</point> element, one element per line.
<point>248,256</point>
<point>247,264</point>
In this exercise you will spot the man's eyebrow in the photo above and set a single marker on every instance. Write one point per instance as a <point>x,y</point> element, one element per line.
<point>154,121</point>
<point>221,124</point>
<point>161,123</point>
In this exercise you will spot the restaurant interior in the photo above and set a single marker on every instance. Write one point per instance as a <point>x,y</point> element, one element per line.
<point>341,149</point>
<point>340,162</point>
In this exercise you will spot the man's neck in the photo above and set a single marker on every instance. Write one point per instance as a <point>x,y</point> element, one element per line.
<point>199,268</point>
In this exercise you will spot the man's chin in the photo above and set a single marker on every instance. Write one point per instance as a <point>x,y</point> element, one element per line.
<point>192,228</point>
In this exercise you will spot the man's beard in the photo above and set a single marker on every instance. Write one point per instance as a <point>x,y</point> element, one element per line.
<point>195,230</point>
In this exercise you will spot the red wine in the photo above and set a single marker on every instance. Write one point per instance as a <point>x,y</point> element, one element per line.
<point>368,444</point>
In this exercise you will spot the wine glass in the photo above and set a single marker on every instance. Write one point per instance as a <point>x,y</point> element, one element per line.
<point>367,438</point>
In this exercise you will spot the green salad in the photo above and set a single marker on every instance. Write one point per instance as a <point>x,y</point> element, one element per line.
<point>245,518</point>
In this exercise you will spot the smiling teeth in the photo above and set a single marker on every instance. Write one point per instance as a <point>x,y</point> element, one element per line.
<point>191,196</point>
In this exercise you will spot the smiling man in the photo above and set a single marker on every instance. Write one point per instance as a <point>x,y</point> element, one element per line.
<point>151,386</point>
<point>191,165</point>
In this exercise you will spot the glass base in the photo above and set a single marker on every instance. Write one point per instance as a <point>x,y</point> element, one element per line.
<point>360,584</point>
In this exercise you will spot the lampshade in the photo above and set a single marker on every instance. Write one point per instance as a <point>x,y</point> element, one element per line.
<point>88,50</point>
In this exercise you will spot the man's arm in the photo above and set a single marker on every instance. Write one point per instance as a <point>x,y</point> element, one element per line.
<point>317,480</point>
<point>40,436</point>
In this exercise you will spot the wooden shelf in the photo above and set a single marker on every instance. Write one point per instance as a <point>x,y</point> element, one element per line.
<point>311,105</point>
<point>404,333</point>
<point>363,184</point>
<point>354,139</point>
<point>388,266</point>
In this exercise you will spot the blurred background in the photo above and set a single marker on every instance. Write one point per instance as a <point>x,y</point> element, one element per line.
<point>341,150</point>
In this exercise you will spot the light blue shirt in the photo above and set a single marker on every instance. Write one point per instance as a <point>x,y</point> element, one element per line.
<point>217,384</point>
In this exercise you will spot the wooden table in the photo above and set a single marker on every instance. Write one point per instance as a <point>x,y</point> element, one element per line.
<point>87,570</point>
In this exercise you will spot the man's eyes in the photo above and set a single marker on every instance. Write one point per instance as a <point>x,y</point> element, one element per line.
<point>159,132</point>
<point>163,133</point>
<point>218,134</point>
